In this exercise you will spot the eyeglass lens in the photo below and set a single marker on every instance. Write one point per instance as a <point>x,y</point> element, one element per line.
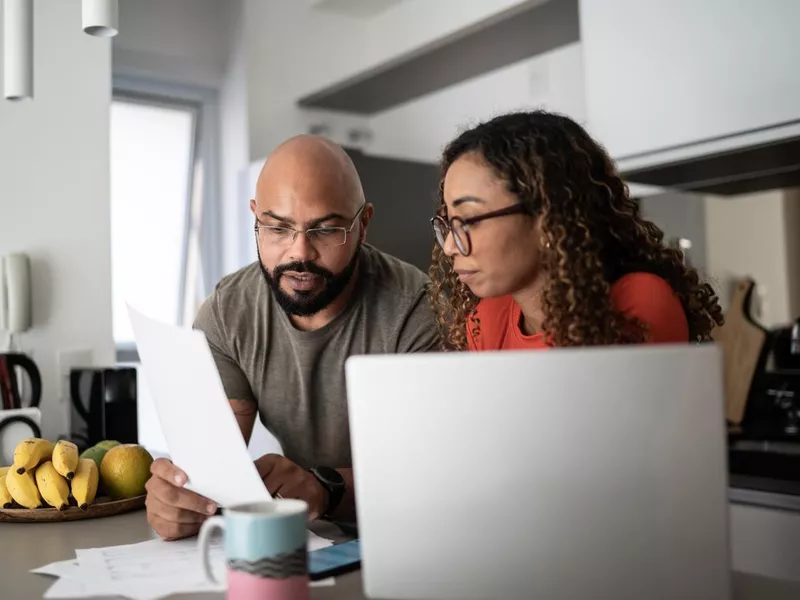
<point>442,229</point>
<point>321,238</point>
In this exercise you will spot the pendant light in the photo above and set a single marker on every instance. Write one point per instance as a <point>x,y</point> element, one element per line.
<point>18,49</point>
<point>101,17</point>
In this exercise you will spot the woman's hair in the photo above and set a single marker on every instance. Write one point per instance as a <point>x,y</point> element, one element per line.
<point>592,227</point>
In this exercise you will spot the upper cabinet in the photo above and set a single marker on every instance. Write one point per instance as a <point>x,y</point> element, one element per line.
<point>661,75</point>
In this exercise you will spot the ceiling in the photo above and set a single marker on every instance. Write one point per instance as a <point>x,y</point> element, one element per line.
<point>514,36</point>
<point>362,9</point>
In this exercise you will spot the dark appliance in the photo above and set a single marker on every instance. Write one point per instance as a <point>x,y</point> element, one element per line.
<point>10,395</point>
<point>104,405</point>
<point>765,452</point>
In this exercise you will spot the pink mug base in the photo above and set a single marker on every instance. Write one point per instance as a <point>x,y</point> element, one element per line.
<point>244,586</point>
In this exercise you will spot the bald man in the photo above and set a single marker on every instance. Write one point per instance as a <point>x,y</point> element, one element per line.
<point>281,329</point>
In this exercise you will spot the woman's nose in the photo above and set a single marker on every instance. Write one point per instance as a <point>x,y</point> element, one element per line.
<point>449,247</point>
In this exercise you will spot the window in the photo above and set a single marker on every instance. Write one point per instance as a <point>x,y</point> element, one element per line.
<point>160,240</point>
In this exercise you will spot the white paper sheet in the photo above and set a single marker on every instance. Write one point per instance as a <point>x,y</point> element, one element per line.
<point>153,567</point>
<point>63,568</point>
<point>69,589</point>
<point>200,430</point>
<point>145,571</point>
<point>76,582</point>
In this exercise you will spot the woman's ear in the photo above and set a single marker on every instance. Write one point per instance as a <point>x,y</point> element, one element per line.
<point>539,233</point>
<point>538,225</point>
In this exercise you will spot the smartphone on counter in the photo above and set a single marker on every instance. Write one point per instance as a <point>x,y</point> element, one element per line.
<point>334,560</point>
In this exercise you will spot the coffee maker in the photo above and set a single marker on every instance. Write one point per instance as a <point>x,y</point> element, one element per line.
<point>773,404</point>
<point>765,450</point>
<point>103,405</point>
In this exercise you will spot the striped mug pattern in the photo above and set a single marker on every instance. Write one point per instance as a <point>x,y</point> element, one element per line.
<point>265,549</point>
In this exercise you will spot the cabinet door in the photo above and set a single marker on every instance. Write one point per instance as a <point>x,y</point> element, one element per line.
<point>666,73</point>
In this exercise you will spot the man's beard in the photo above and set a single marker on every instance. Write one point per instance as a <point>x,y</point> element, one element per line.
<point>302,303</point>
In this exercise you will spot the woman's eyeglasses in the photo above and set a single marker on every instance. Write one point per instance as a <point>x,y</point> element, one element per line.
<point>459,227</point>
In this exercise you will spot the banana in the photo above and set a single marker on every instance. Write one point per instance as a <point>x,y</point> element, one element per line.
<point>30,453</point>
<point>84,484</point>
<point>5,495</point>
<point>22,488</point>
<point>4,470</point>
<point>65,458</point>
<point>52,486</point>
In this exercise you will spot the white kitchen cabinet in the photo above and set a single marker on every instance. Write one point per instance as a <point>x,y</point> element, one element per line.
<point>662,74</point>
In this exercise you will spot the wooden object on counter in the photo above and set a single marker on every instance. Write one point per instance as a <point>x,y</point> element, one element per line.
<point>103,507</point>
<point>742,341</point>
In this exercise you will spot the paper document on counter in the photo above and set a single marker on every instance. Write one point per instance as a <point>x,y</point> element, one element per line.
<point>145,571</point>
<point>201,432</point>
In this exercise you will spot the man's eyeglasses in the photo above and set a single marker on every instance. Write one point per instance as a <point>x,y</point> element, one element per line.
<point>460,227</point>
<point>320,237</point>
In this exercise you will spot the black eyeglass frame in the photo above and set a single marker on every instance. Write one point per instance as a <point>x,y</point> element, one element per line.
<point>465,246</point>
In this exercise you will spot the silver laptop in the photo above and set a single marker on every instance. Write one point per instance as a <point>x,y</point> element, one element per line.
<point>565,474</point>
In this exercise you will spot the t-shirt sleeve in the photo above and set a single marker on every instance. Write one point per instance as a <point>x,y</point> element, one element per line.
<point>234,381</point>
<point>652,300</point>
<point>418,332</point>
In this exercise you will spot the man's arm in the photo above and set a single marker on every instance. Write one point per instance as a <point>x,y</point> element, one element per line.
<point>245,412</point>
<point>234,381</point>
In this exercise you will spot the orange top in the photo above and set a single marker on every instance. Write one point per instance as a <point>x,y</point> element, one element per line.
<point>644,296</point>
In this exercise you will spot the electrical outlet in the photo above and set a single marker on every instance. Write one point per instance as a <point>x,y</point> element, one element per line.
<point>67,360</point>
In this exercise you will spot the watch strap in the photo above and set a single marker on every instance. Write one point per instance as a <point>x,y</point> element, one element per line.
<point>335,491</point>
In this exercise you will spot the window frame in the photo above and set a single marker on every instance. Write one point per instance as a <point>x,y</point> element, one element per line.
<point>206,152</point>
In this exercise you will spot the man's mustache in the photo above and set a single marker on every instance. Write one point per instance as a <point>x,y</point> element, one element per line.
<point>301,267</point>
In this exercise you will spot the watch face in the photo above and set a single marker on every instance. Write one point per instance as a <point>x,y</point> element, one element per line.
<point>331,475</point>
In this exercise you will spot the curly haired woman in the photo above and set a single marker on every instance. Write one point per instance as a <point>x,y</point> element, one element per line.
<point>540,245</point>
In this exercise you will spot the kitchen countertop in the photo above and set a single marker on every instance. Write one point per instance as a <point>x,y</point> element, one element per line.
<point>30,545</point>
<point>27,546</point>
<point>765,492</point>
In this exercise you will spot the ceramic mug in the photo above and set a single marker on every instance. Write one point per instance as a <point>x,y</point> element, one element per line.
<point>265,550</point>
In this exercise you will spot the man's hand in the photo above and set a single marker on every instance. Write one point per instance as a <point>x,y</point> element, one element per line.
<point>290,480</point>
<point>174,512</point>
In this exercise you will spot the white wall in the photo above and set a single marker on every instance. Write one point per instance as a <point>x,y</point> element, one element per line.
<point>746,236</point>
<point>680,215</point>
<point>290,50</point>
<point>54,195</point>
<point>234,142</point>
<point>181,41</point>
<point>791,213</point>
<point>419,129</point>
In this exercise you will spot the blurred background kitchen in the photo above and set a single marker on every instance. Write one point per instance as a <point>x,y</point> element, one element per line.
<point>127,175</point>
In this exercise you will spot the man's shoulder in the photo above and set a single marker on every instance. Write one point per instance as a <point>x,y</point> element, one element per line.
<point>235,294</point>
<point>240,284</point>
<point>396,298</point>
<point>389,275</point>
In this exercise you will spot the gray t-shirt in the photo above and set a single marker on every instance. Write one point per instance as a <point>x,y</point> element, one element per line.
<point>297,377</point>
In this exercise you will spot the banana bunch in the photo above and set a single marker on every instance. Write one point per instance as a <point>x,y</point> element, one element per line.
<point>85,482</point>
<point>5,496</point>
<point>48,473</point>
<point>30,453</point>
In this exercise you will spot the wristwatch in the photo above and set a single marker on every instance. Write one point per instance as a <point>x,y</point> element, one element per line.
<point>334,484</point>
